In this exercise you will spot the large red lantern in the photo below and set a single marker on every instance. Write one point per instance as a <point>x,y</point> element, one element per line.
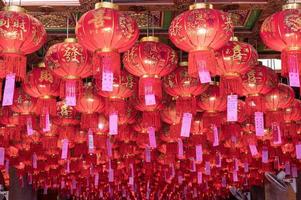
<point>21,34</point>
<point>234,59</point>
<point>281,32</point>
<point>70,61</point>
<point>200,31</point>
<point>150,60</point>
<point>106,32</point>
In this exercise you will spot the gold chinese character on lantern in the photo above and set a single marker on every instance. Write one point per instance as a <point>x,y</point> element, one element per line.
<point>99,19</point>
<point>46,76</point>
<point>251,77</point>
<point>71,54</point>
<point>64,110</point>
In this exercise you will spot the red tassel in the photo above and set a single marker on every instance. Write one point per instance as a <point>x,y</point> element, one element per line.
<point>254,104</point>
<point>151,119</point>
<point>230,85</point>
<point>290,60</point>
<point>13,63</point>
<point>273,117</point>
<point>201,60</point>
<point>186,105</point>
<point>107,61</point>
<point>89,121</point>
<point>150,85</point>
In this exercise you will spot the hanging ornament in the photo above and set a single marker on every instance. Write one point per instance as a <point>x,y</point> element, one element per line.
<point>22,34</point>
<point>118,32</point>
<point>41,84</point>
<point>200,31</point>
<point>71,62</point>
<point>280,33</point>
<point>234,59</point>
<point>150,60</point>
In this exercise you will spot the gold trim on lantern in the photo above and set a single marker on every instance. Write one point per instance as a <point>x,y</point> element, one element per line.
<point>291,6</point>
<point>149,39</point>
<point>232,74</point>
<point>14,8</point>
<point>234,39</point>
<point>47,97</point>
<point>200,5</point>
<point>183,64</point>
<point>41,65</point>
<point>150,76</point>
<point>70,40</point>
<point>106,50</point>
<point>71,77</point>
<point>254,95</point>
<point>106,5</point>
<point>293,48</point>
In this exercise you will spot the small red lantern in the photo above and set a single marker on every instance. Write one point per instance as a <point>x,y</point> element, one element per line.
<point>234,59</point>
<point>200,31</point>
<point>150,60</point>
<point>107,32</point>
<point>70,61</point>
<point>89,104</point>
<point>23,103</point>
<point>66,115</point>
<point>185,88</point>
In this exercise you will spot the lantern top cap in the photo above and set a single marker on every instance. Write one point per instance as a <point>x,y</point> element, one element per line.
<point>291,6</point>
<point>234,38</point>
<point>106,5</point>
<point>200,5</point>
<point>70,40</point>
<point>183,64</point>
<point>149,39</point>
<point>14,8</point>
<point>41,65</point>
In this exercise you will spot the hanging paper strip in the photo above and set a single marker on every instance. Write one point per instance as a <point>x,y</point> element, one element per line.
<point>90,142</point>
<point>287,168</point>
<point>68,166</point>
<point>107,80</point>
<point>199,153</point>
<point>298,151</point>
<point>200,177</point>
<point>113,124</point>
<point>2,155</point>
<point>147,155</point>
<point>294,79</point>
<point>235,177</point>
<point>34,161</point>
<point>232,108</point>
<point>149,97</point>
<point>9,89</point>
<point>294,171</point>
<point>29,126</point>
<point>204,74</point>
<point>152,137</point>
<point>265,156</point>
<point>47,122</point>
<point>65,143</point>
<point>111,175</point>
<point>218,160</point>
<point>253,149</point>
<point>180,149</point>
<point>109,148</point>
<point>96,179</point>
<point>207,168</point>
<point>246,167</point>
<point>186,124</point>
<point>70,92</point>
<point>215,136</point>
<point>259,124</point>
<point>224,182</point>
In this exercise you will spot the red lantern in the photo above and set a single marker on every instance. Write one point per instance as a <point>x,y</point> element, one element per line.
<point>89,104</point>
<point>256,82</point>
<point>117,31</point>
<point>23,103</point>
<point>66,115</point>
<point>279,98</point>
<point>200,31</point>
<point>21,34</point>
<point>234,59</point>
<point>150,60</point>
<point>41,84</point>
<point>71,62</point>
<point>185,88</point>
<point>281,32</point>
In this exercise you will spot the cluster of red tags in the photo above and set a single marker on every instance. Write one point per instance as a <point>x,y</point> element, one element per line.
<point>93,125</point>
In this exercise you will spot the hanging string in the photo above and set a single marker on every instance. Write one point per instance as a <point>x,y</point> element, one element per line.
<point>147,30</point>
<point>67,26</point>
<point>153,25</point>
